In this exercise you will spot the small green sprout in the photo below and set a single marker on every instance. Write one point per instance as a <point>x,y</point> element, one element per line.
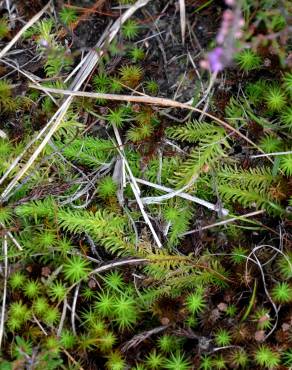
<point>139,133</point>
<point>107,187</point>
<point>101,82</point>
<point>282,292</point>
<point>88,317</point>
<point>130,29</point>
<point>206,362</point>
<point>98,326</point>
<point>107,341</point>
<point>222,338</point>
<point>137,54</point>
<point>256,90</point>
<point>5,215</point>
<point>31,289</point>
<point>248,60</point>
<point>57,291</point>
<point>266,357</point>
<point>68,16</point>
<point>239,358</point>
<point>231,310</point>
<point>152,87</point>
<point>263,319</point>
<point>195,302</point>
<point>286,164</point>
<point>115,86</point>
<point>238,255</point>
<point>52,316</point>
<point>286,118</point>
<point>40,306</point>
<point>288,81</point>
<point>105,303</point>
<point>219,362</point>
<point>115,361</point>
<point>18,315</point>
<point>191,321</point>
<point>287,358</point>
<point>125,312</point>
<point>270,143</point>
<point>177,361</point>
<point>17,280</point>
<point>67,339</point>
<point>275,98</point>
<point>46,239</point>
<point>131,75</point>
<point>117,116</point>
<point>22,346</point>
<point>154,360</point>
<point>284,264</point>
<point>76,269</point>
<point>114,280</point>
<point>168,343</point>
<point>87,293</point>
<point>52,344</point>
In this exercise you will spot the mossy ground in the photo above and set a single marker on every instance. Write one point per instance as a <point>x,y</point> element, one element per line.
<point>88,286</point>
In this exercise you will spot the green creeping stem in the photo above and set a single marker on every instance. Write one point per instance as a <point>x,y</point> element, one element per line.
<point>251,303</point>
<point>203,6</point>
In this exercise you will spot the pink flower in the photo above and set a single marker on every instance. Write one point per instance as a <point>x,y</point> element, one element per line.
<point>215,59</point>
<point>230,30</point>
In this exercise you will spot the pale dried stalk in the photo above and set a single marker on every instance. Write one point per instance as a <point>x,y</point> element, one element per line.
<point>135,188</point>
<point>147,100</point>
<point>180,194</point>
<point>63,317</point>
<point>225,222</point>
<point>34,19</point>
<point>39,325</point>
<point>73,308</point>
<point>2,134</point>
<point>271,154</point>
<point>14,241</point>
<point>182,10</point>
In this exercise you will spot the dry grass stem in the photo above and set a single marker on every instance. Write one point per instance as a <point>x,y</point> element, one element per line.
<point>148,100</point>
<point>182,10</point>
<point>225,222</point>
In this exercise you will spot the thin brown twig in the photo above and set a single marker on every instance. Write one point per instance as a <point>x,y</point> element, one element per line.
<point>147,100</point>
<point>72,359</point>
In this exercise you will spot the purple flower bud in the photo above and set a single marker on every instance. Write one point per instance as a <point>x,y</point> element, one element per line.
<point>230,30</point>
<point>215,59</point>
<point>220,38</point>
<point>44,43</point>
<point>228,15</point>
